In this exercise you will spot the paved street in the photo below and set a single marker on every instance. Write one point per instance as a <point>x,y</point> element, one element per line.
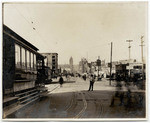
<point>74,101</point>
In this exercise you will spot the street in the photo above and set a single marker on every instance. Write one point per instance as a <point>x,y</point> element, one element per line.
<point>76,60</point>
<point>73,100</point>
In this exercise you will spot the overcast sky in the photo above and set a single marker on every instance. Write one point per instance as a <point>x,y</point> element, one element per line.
<point>81,30</point>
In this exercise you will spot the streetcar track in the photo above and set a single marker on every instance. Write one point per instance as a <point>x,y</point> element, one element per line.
<point>97,105</point>
<point>100,107</point>
<point>84,107</point>
<point>72,106</point>
<point>71,103</point>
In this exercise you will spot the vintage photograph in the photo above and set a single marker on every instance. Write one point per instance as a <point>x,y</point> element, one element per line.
<point>74,60</point>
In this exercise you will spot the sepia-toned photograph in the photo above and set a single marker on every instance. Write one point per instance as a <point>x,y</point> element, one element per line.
<point>74,60</point>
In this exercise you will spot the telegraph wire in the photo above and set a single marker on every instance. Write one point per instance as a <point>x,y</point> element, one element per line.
<point>31,24</point>
<point>22,16</point>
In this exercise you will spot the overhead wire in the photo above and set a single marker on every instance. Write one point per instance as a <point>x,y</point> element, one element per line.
<point>31,24</point>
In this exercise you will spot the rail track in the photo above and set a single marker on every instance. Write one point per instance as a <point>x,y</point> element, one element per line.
<point>99,106</point>
<point>84,106</point>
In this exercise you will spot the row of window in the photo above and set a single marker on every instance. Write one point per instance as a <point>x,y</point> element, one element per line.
<point>46,62</point>
<point>24,58</point>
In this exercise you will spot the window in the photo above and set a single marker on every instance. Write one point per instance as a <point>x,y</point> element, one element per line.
<point>53,56</point>
<point>46,61</point>
<point>39,64</point>
<point>32,58</point>
<point>17,55</point>
<point>28,60</point>
<point>34,62</point>
<point>23,57</point>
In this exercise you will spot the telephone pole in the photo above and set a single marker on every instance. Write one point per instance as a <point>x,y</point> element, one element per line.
<point>142,58</point>
<point>129,47</point>
<point>110,63</point>
<point>142,48</point>
<point>129,56</point>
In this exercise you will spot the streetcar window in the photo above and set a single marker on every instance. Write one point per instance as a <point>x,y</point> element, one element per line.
<point>28,59</point>
<point>17,55</point>
<point>23,57</point>
<point>46,61</point>
<point>32,60</point>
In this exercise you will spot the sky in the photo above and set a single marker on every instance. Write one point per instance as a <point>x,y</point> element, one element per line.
<point>81,29</point>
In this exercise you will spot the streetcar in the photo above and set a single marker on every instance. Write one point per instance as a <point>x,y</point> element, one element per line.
<point>130,72</point>
<point>23,65</point>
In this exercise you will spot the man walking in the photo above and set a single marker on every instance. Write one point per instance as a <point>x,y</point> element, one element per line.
<point>61,81</point>
<point>92,80</point>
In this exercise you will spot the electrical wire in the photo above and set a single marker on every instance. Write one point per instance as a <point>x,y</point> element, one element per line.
<point>31,24</point>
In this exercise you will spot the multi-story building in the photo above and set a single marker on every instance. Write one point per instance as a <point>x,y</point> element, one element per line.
<point>51,61</point>
<point>84,66</point>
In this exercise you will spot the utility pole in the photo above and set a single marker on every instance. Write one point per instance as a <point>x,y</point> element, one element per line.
<point>129,55</point>
<point>110,63</point>
<point>142,58</point>
<point>129,47</point>
<point>98,65</point>
<point>142,48</point>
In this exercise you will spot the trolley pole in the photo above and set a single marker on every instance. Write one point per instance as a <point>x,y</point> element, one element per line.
<point>110,63</point>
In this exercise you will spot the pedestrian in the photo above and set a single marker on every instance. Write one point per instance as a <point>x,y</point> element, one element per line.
<point>66,76</point>
<point>128,99</point>
<point>61,81</point>
<point>121,98</point>
<point>140,103</point>
<point>84,77</point>
<point>92,80</point>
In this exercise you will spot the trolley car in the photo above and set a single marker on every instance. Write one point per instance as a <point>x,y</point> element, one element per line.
<point>23,66</point>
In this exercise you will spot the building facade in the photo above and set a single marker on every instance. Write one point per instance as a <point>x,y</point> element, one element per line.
<point>51,61</point>
<point>84,66</point>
